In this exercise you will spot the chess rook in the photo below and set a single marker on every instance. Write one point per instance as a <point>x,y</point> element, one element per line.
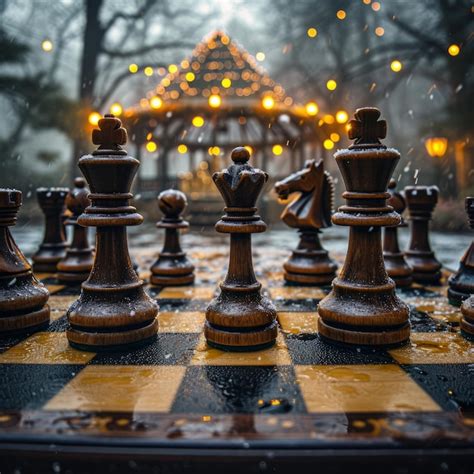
<point>309,263</point>
<point>172,267</point>
<point>421,201</point>
<point>77,264</point>
<point>362,307</point>
<point>240,318</point>
<point>396,265</point>
<point>113,310</point>
<point>23,299</point>
<point>461,284</point>
<point>53,246</point>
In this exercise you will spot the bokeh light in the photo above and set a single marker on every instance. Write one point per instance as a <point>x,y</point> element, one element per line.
<point>215,101</point>
<point>396,65</point>
<point>331,84</point>
<point>277,150</point>
<point>198,121</point>
<point>312,32</point>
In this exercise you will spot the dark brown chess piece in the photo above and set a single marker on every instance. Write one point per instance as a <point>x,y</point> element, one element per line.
<point>172,267</point>
<point>113,310</point>
<point>53,247</point>
<point>421,201</point>
<point>461,284</point>
<point>309,263</point>
<point>23,299</point>
<point>76,265</point>
<point>363,308</point>
<point>395,264</point>
<point>467,320</point>
<point>240,318</point>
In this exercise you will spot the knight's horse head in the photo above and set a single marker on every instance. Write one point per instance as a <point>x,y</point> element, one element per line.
<point>313,208</point>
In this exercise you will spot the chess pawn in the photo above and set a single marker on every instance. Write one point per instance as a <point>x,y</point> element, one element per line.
<point>240,318</point>
<point>113,310</point>
<point>396,265</point>
<point>421,201</point>
<point>23,299</point>
<point>362,307</point>
<point>53,247</point>
<point>309,263</point>
<point>461,284</point>
<point>172,267</point>
<point>467,320</point>
<point>76,265</point>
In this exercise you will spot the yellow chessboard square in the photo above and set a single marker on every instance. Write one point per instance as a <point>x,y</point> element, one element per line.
<point>185,321</point>
<point>297,293</point>
<point>360,388</point>
<point>45,348</point>
<point>298,322</point>
<point>435,348</point>
<point>62,302</point>
<point>187,292</point>
<point>276,355</point>
<point>126,388</point>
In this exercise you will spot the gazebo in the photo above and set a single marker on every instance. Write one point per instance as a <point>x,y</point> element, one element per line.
<point>218,99</point>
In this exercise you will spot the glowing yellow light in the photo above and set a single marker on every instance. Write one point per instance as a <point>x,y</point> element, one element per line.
<point>329,119</point>
<point>260,56</point>
<point>277,150</point>
<point>335,137</point>
<point>214,150</point>
<point>47,45</point>
<point>454,50</point>
<point>342,116</point>
<point>116,109</point>
<point>376,6</point>
<point>312,108</point>
<point>367,2</point>
<point>275,402</point>
<point>133,68</point>
<point>396,65</point>
<point>249,149</point>
<point>379,31</point>
<point>198,121</point>
<point>151,147</point>
<point>172,68</point>
<point>148,71</point>
<point>328,144</point>
<point>190,76</point>
<point>436,146</point>
<point>156,102</point>
<point>182,148</point>
<point>331,84</point>
<point>312,32</point>
<point>341,14</point>
<point>226,83</point>
<point>215,101</point>
<point>268,102</point>
<point>94,118</point>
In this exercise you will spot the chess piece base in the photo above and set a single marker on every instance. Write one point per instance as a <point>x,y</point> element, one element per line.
<point>461,285</point>
<point>170,280</point>
<point>467,320</point>
<point>173,270</point>
<point>46,259</point>
<point>426,269</point>
<point>456,298</point>
<point>25,323</point>
<point>398,269</point>
<point>310,267</point>
<point>76,267</point>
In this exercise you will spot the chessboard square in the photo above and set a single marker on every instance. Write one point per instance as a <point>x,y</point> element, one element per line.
<point>310,349</point>
<point>30,386</point>
<point>181,321</point>
<point>167,349</point>
<point>435,348</point>
<point>54,288</point>
<point>275,355</point>
<point>59,325</point>
<point>297,292</point>
<point>144,388</point>
<point>298,322</point>
<point>230,389</point>
<point>188,292</point>
<point>45,348</point>
<point>361,388</point>
<point>423,322</point>
<point>73,291</point>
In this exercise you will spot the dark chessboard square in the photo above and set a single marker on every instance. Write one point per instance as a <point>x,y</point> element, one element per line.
<point>296,305</point>
<point>50,281</point>
<point>237,389</point>
<point>30,386</point>
<point>422,322</point>
<point>311,349</point>
<point>172,304</point>
<point>416,292</point>
<point>59,325</point>
<point>10,341</point>
<point>167,349</point>
<point>450,385</point>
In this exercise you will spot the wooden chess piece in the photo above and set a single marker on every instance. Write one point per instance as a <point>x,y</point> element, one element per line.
<point>172,267</point>
<point>395,264</point>
<point>113,310</point>
<point>467,320</point>
<point>421,201</point>
<point>311,211</point>
<point>362,307</point>
<point>23,298</point>
<point>53,247</point>
<point>240,318</point>
<point>76,265</point>
<point>461,284</point>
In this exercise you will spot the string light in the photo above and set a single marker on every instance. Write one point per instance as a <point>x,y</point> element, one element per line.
<point>47,45</point>
<point>277,150</point>
<point>312,108</point>
<point>214,150</point>
<point>148,71</point>
<point>226,83</point>
<point>198,121</point>
<point>335,137</point>
<point>454,49</point>
<point>341,14</point>
<point>116,109</point>
<point>156,102</point>
<point>151,147</point>
<point>328,144</point>
<point>260,56</point>
<point>376,6</point>
<point>215,101</point>
<point>182,148</point>
<point>268,102</point>
<point>172,68</point>
<point>94,118</point>
<point>331,84</point>
<point>396,65</point>
<point>342,116</point>
<point>190,76</point>
<point>379,31</point>
<point>133,68</point>
<point>329,119</point>
<point>312,32</point>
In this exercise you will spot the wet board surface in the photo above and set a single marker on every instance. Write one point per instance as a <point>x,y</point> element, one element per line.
<point>302,393</point>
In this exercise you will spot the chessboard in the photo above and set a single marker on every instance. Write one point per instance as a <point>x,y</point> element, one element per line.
<point>304,395</point>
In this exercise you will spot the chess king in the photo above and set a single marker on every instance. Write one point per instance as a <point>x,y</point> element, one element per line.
<point>362,308</point>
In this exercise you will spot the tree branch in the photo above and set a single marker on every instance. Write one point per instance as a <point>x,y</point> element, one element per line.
<point>145,49</point>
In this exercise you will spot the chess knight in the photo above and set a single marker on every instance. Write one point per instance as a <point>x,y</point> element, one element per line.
<point>311,211</point>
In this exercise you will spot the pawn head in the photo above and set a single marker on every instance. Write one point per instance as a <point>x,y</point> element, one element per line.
<point>172,202</point>
<point>78,199</point>
<point>240,155</point>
